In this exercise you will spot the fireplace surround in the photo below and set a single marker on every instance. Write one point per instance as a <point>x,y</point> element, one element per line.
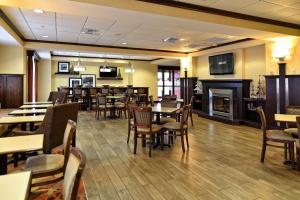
<point>223,99</point>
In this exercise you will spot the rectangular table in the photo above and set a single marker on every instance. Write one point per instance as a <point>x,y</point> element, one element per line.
<point>37,102</point>
<point>158,110</point>
<point>10,145</point>
<point>286,118</point>
<point>28,112</point>
<point>36,106</point>
<point>15,186</point>
<point>21,119</point>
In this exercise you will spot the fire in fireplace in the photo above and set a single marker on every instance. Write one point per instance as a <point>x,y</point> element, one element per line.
<point>221,103</point>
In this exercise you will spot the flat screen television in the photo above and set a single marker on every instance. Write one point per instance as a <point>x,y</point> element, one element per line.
<point>108,71</point>
<point>221,64</point>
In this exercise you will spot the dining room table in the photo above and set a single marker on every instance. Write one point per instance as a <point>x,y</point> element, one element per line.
<point>15,186</point>
<point>18,144</point>
<point>37,102</point>
<point>35,106</point>
<point>288,118</point>
<point>23,120</point>
<point>28,112</point>
<point>159,110</point>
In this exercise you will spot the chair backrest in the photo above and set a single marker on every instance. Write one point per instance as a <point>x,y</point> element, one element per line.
<point>73,174</point>
<point>100,99</point>
<point>143,117</point>
<point>58,97</point>
<point>141,90</point>
<point>93,91</point>
<point>105,91</point>
<point>151,100</point>
<point>298,125</point>
<point>77,91</point>
<point>169,104</point>
<point>293,110</point>
<point>169,97</point>
<point>129,91</point>
<point>54,124</point>
<point>185,116</point>
<point>263,121</point>
<point>130,110</point>
<point>68,135</point>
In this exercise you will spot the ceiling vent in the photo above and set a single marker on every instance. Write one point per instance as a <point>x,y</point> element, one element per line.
<point>170,40</point>
<point>90,31</point>
<point>216,40</point>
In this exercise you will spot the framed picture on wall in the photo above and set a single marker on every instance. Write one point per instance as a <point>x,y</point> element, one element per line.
<point>63,67</point>
<point>74,82</point>
<point>88,80</point>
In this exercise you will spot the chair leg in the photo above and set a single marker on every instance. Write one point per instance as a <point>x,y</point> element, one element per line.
<point>191,116</point>
<point>150,145</point>
<point>135,142</point>
<point>162,140</point>
<point>263,152</point>
<point>292,155</point>
<point>298,159</point>
<point>285,151</point>
<point>128,136</point>
<point>104,114</point>
<point>182,140</point>
<point>187,138</point>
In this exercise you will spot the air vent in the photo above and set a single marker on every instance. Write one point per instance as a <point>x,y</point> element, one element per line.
<point>216,40</point>
<point>90,31</point>
<point>170,39</point>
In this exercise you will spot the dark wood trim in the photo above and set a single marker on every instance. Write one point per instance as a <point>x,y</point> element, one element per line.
<point>204,9</point>
<point>67,56</point>
<point>34,54</point>
<point>104,46</point>
<point>110,78</point>
<point>10,24</point>
<point>162,67</point>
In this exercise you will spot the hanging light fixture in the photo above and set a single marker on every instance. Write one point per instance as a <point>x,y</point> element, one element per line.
<point>79,67</point>
<point>105,68</point>
<point>129,68</point>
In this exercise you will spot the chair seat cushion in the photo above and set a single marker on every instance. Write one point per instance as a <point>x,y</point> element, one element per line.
<point>120,105</point>
<point>291,131</point>
<point>278,135</point>
<point>173,126</point>
<point>164,120</point>
<point>155,129</point>
<point>44,163</point>
<point>107,106</point>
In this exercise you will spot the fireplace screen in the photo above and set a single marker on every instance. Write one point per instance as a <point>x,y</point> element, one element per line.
<point>221,104</point>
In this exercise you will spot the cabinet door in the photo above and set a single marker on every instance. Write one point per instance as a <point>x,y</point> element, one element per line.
<point>14,91</point>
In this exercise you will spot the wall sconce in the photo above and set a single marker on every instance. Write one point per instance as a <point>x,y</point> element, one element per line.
<point>281,54</point>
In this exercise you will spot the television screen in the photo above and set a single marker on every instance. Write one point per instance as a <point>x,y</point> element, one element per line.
<point>108,71</point>
<point>221,64</point>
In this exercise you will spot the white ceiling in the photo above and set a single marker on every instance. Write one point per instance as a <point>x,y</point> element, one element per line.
<point>117,26</point>
<point>281,10</point>
<point>99,55</point>
<point>6,38</point>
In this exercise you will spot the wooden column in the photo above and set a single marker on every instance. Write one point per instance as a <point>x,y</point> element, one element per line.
<point>282,87</point>
<point>32,75</point>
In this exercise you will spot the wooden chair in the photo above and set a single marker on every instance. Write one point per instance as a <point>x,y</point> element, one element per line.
<point>143,127</point>
<point>275,136</point>
<point>298,144</point>
<point>169,118</point>
<point>79,96</point>
<point>102,105</point>
<point>121,106</point>
<point>71,181</point>
<point>191,109</point>
<point>169,98</point>
<point>179,127</point>
<point>151,101</point>
<point>92,100</point>
<point>291,129</point>
<point>130,118</point>
<point>46,165</point>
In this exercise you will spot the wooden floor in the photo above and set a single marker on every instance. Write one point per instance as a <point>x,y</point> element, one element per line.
<point>222,163</point>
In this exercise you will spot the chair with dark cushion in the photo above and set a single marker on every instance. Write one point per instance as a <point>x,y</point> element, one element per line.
<point>54,124</point>
<point>58,97</point>
<point>275,136</point>
<point>291,129</point>
<point>179,127</point>
<point>143,127</point>
<point>130,118</point>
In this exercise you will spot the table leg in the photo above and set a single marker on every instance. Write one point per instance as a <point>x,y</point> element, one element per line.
<point>23,126</point>
<point>158,118</point>
<point>3,164</point>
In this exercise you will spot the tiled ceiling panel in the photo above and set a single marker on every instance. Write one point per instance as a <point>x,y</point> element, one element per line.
<point>281,10</point>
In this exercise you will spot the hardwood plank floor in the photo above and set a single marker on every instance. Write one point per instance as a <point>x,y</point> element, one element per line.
<point>223,162</point>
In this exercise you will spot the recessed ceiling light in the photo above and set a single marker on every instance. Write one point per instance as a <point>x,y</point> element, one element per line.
<point>181,39</point>
<point>124,43</point>
<point>45,36</point>
<point>230,36</point>
<point>38,11</point>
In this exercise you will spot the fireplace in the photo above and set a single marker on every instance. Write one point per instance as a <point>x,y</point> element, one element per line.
<point>221,103</point>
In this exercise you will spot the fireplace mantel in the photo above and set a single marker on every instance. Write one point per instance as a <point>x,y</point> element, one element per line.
<point>240,88</point>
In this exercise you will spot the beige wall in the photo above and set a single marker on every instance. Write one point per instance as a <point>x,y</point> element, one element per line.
<point>145,75</point>
<point>13,61</point>
<point>44,79</point>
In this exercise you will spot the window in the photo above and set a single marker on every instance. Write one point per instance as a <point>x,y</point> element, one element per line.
<point>168,81</point>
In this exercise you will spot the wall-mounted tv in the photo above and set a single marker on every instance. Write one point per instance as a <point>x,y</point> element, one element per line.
<point>108,71</point>
<point>221,64</point>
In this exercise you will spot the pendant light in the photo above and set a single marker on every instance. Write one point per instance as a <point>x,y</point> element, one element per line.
<point>129,68</point>
<point>105,68</point>
<point>79,67</point>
